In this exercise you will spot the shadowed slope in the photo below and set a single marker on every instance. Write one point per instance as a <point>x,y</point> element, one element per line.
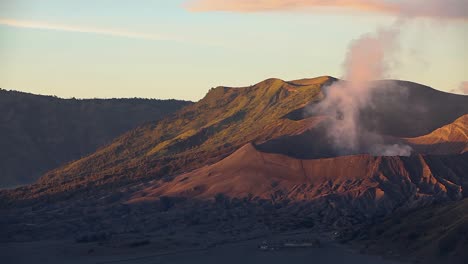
<point>396,109</point>
<point>400,109</point>
<point>449,139</point>
<point>407,109</point>
<point>39,133</point>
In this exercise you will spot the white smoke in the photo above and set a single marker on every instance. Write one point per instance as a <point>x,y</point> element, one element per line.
<point>369,58</point>
<point>390,150</point>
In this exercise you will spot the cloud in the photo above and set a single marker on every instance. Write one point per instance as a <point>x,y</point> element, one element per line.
<point>453,9</point>
<point>68,28</point>
<point>464,87</point>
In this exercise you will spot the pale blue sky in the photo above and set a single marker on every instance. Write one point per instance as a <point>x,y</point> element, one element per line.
<point>158,49</point>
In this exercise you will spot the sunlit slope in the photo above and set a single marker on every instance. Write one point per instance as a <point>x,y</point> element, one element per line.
<point>383,181</point>
<point>205,132</point>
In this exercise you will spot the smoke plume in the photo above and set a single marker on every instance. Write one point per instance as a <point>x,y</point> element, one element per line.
<point>369,58</point>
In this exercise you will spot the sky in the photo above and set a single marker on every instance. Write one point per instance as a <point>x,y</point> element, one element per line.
<point>181,48</point>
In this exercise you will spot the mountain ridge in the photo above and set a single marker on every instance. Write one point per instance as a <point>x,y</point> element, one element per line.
<point>44,132</point>
<point>169,138</point>
<point>227,119</point>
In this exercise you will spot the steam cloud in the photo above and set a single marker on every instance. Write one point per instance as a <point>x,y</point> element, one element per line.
<point>462,89</point>
<point>368,58</point>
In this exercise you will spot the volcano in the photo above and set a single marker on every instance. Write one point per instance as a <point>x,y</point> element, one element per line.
<point>256,158</point>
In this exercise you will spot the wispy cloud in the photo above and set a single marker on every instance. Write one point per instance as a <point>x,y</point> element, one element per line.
<point>452,9</point>
<point>89,30</point>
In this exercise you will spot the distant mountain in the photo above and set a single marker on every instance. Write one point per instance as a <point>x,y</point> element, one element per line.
<point>39,133</point>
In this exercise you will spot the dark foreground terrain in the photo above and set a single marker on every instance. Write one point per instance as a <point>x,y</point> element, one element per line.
<point>440,231</point>
<point>147,251</point>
